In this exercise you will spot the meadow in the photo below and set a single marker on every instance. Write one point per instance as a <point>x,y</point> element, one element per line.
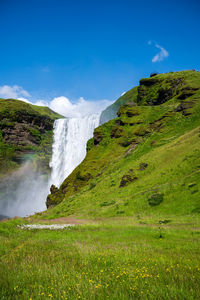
<point>114,258</point>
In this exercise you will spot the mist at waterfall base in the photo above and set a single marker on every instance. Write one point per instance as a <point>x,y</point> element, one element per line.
<point>25,191</point>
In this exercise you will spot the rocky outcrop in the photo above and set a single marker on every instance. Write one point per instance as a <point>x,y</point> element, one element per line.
<point>127,179</point>
<point>54,197</point>
<point>143,166</point>
<point>155,91</point>
<point>23,128</point>
<point>97,136</point>
<point>26,132</point>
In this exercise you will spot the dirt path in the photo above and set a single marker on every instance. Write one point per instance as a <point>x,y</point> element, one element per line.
<point>66,220</point>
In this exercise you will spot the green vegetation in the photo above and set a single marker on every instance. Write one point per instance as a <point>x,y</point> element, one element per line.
<point>25,132</point>
<point>164,138</point>
<point>111,111</point>
<point>137,193</point>
<point>121,258</point>
<point>10,107</point>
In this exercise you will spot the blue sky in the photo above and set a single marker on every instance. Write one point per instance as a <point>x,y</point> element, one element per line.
<point>94,49</point>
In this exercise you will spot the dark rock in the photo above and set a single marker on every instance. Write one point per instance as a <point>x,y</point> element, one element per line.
<point>53,189</point>
<point>131,113</point>
<point>55,197</point>
<point>24,128</point>
<point>118,122</point>
<point>116,132</point>
<point>148,81</point>
<point>160,94</point>
<point>158,124</point>
<point>143,166</point>
<point>164,95</point>
<point>184,106</point>
<point>127,142</point>
<point>142,131</point>
<point>83,176</point>
<point>153,74</point>
<point>97,137</point>
<point>126,179</point>
<point>187,92</point>
<point>190,185</point>
<point>164,221</point>
<point>194,192</point>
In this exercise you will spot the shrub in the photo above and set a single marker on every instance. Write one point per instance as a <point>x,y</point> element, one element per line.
<point>155,199</point>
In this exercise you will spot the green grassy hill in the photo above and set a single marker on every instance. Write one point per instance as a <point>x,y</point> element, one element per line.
<point>137,198</point>
<point>144,162</point>
<point>26,132</point>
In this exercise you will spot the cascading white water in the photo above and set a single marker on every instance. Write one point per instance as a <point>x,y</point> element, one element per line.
<point>69,146</point>
<point>25,191</point>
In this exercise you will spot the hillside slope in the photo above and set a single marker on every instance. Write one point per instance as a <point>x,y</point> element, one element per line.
<point>25,131</point>
<point>146,161</point>
<point>111,111</point>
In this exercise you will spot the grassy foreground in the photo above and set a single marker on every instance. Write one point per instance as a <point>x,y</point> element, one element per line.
<point>116,258</point>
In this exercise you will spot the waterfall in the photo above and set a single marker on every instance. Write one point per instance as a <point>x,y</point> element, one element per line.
<point>25,191</point>
<point>69,146</point>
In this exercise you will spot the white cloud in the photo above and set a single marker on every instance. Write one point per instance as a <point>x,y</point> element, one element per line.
<point>61,105</point>
<point>82,107</point>
<point>161,55</point>
<point>41,103</point>
<point>24,99</point>
<point>14,91</point>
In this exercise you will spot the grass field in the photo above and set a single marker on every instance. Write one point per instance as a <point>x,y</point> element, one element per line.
<point>115,258</point>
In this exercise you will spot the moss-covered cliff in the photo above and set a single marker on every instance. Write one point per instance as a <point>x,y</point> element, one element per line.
<point>26,132</point>
<point>144,161</point>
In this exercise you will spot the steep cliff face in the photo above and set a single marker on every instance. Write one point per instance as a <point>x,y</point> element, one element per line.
<point>144,161</point>
<point>25,132</point>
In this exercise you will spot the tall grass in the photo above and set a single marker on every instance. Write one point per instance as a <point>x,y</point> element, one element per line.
<point>103,261</point>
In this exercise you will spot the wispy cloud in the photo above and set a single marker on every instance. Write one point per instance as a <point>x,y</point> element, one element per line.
<point>14,91</point>
<point>160,55</point>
